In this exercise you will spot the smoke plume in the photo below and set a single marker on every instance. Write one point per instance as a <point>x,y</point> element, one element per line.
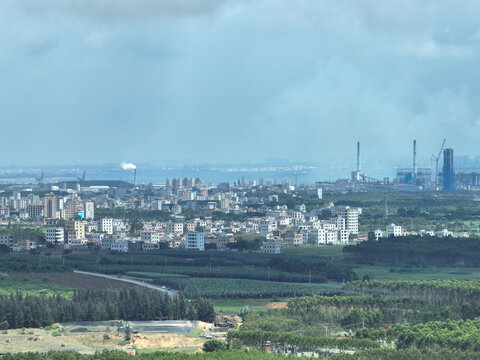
<point>128,166</point>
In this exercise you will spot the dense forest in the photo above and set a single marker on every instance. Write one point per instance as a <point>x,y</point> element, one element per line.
<point>128,304</point>
<point>418,250</point>
<point>28,263</point>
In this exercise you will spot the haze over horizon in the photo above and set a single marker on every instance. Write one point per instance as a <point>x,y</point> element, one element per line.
<point>226,81</point>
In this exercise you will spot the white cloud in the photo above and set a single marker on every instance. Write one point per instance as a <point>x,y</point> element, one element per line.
<point>433,50</point>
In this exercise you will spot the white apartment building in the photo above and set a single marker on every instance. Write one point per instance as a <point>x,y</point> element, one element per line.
<point>344,236</point>
<point>105,225</point>
<point>55,235</point>
<point>195,240</point>
<point>394,230</point>
<point>331,237</point>
<point>89,210</point>
<point>351,217</point>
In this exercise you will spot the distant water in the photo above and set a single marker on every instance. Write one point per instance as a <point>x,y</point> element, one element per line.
<point>299,175</point>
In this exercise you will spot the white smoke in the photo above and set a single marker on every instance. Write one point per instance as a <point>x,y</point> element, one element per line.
<point>128,166</point>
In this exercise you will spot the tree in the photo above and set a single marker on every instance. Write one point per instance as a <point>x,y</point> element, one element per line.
<point>4,325</point>
<point>4,249</point>
<point>214,345</point>
<point>371,236</point>
<point>205,311</point>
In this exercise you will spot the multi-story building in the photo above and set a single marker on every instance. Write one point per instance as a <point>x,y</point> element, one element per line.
<point>119,246</point>
<point>448,170</point>
<point>50,206</point>
<point>55,235</point>
<point>195,240</point>
<point>74,230</point>
<point>6,239</point>
<point>150,236</point>
<point>72,206</point>
<point>294,239</point>
<point>394,230</point>
<point>89,210</point>
<point>174,228</point>
<point>351,217</point>
<point>35,211</point>
<point>273,247</point>
<point>105,225</point>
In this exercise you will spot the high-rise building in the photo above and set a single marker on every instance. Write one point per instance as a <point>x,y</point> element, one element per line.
<point>50,206</point>
<point>89,210</point>
<point>448,170</point>
<point>351,217</point>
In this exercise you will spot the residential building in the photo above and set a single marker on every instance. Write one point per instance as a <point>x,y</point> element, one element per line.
<point>394,230</point>
<point>89,210</point>
<point>195,240</point>
<point>6,239</point>
<point>55,235</point>
<point>105,225</point>
<point>35,211</point>
<point>119,246</point>
<point>273,247</point>
<point>150,236</point>
<point>351,217</point>
<point>175,228</point>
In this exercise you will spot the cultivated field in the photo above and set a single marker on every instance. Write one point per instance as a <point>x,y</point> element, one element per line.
<point>75,281</point>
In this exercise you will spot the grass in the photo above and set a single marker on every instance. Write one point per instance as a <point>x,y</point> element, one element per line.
<point>9,285</point>
<point>234,306</point>
<point>393,272</point>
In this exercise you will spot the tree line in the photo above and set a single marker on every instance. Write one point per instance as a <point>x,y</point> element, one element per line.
<point>139,304</point>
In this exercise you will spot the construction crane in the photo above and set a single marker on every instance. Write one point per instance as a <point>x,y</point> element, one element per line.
<point>41,178</point>
<point>436,159</point>
<point>83,176</point>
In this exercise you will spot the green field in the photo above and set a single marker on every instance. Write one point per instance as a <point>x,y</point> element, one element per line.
<point>9,285</point>
<point>234,306</point>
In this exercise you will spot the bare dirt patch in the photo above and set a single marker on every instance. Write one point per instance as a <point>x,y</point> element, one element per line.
<point>277,305</point>
<point>75,281</point>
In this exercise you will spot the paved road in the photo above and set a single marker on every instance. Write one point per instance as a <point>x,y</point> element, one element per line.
<point>172,293</point>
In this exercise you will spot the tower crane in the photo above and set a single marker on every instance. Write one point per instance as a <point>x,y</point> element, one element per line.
<point>436,159</point>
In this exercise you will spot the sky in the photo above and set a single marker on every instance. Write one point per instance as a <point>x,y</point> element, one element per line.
<point>226,81</point>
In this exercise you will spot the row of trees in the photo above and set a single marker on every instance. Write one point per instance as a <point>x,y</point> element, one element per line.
<point>435,291</point>
<point>127,304</point>
<point>292,343</point>
<point>450,334</point>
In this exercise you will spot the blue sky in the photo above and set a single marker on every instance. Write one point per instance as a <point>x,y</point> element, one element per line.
<point>218,81</point>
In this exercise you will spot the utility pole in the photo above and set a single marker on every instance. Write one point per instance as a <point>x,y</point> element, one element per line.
<point>386,206</point>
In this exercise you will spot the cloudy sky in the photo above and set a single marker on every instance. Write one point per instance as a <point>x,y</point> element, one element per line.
<point>220,81</point>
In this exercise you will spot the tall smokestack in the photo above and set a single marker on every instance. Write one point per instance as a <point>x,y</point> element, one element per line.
<point>135,177</point>
<point>415,159</point>
<point>359,166</point>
